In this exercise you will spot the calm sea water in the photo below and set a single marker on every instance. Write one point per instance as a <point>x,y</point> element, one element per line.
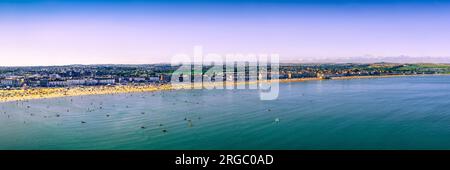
<point>385,113</point>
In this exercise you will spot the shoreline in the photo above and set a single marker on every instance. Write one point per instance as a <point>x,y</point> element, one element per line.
<point>57,92</point>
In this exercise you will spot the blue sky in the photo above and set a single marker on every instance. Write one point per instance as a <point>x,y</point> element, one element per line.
<point>134,32</point>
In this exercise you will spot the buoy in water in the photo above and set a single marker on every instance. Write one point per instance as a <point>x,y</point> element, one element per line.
<point>277,120</point>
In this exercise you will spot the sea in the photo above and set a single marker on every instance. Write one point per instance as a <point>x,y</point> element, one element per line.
<point>409,113</point>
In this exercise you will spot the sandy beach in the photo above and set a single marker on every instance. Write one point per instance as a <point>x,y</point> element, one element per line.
<point>43,93</point>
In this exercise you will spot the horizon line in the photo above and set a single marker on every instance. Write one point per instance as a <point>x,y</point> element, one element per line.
<point>381,62</point>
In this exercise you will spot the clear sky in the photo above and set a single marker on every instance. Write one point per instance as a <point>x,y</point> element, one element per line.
<point>37,32</point>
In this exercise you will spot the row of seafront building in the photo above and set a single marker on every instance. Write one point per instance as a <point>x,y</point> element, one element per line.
<point>40,81</point>
<point>57,81</point>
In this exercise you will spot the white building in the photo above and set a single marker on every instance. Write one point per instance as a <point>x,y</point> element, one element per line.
<point>153,79</point>
<point>57,83</point>
<point>91,82</point>
<point>76,82</point>
<point>106,81</point>
<point>137,79</point>
<point>54,76</point>
<point>9,82</point>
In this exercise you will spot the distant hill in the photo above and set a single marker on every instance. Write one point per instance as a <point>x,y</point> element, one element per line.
<point>373,59</point>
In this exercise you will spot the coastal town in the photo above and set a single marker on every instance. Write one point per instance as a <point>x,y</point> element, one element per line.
<point>160,74</point>
<point>39,82</point>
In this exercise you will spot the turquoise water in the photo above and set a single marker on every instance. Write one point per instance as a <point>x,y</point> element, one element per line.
<point>384,113</point>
